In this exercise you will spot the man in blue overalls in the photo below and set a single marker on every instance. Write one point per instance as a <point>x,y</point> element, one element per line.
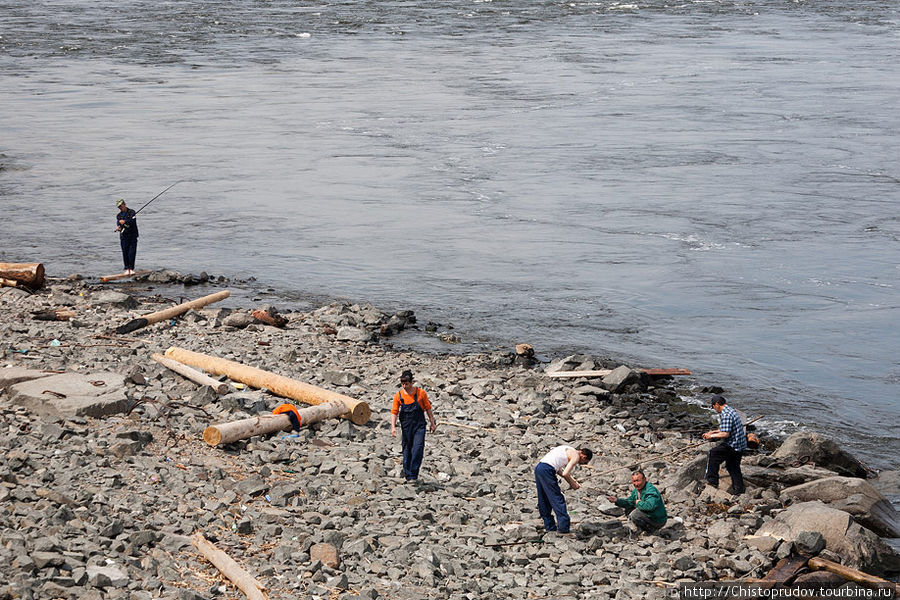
<point>126,225</point>
<point>411,404</point>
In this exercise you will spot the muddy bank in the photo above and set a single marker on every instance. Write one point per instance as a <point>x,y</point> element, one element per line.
<point>103,482</point>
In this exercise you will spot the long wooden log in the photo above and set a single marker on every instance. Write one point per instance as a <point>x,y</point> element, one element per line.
<point>225,433</point>
<point>168,313</point>
<point>605,372</point>
<point>279,385</point>
<point>117,276</point>
<point>863,579</point>
<point>243,580</point>
<point>193,374</point>
<point>30,274</point>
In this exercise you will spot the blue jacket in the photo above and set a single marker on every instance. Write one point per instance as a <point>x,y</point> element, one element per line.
<point>129,229</point>
<point>648,501</point>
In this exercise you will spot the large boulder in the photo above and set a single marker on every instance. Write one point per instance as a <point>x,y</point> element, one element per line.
<point>13,375</point>
<point>857,546</point>
<point>620,377</point>
<point>855,496</point>
<point>780,478</point>
<point>691,472</point>
<point>73,394</point>
<point>808,446</point>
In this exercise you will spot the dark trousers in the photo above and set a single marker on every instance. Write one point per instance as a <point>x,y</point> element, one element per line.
<point>723,453</point>
<point>412,431</point>
<point>550,499</point>
<point>642,521</point>
<point>129,250</point>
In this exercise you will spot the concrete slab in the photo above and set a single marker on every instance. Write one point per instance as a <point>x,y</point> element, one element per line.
<point>73,394</point>
<point>13,375</point>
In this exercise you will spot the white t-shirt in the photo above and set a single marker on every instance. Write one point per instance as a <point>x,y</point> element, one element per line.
<point>557,458</point>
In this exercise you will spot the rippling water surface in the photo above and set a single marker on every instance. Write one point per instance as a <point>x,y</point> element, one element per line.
<point>703,184</point>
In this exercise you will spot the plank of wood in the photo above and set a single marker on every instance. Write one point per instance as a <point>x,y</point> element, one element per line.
<point>117,276</point>
<point>605,372</point>
<point>786,569</point>
<point>573,374</point>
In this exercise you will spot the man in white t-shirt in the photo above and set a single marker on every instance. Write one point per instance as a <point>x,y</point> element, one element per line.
<point>561,461</point>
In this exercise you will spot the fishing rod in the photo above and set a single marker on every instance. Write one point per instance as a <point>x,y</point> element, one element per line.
<point>155,197</point>
<point>148,203</point>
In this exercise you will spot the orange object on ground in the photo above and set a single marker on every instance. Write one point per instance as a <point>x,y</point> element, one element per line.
<point>292,413</point>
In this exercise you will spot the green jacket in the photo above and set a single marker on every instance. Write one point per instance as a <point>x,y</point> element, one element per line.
<point>648,501</point>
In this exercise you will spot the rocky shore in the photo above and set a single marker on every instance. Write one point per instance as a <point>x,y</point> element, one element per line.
<point>104,475</point>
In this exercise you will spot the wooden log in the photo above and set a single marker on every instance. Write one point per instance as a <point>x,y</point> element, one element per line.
<point>168,313</point>
<point>30,274</point>
<point>605,372</point>
<point>864,579</point>
<point>279,385</point>
<point>59,314</point>
<point>117,276</point>
<point>225,433</point>
<point>785,570</point>
<point>243,580</point>
<point>194,375</point>
<point>8,282</point>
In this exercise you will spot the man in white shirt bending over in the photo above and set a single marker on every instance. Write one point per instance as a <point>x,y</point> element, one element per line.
<point>559,461</point>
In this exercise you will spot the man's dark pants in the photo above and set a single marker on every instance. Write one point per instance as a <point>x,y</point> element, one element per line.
<point>732,459</point>
<point>412,430</point>
<point>129,250</point>
<point>550,499</point>
<point>642,521</point>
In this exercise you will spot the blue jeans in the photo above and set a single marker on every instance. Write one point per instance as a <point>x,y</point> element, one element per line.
<point>129,250</point>
<point>550,499</point>
<point>412,431</point>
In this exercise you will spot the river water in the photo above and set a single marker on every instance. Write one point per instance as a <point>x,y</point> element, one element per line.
<point>711,185</point>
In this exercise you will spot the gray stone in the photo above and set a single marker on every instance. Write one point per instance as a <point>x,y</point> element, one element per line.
<point>855,496</point>
<point>720,529</point>
<point>808,445</point>
<point>619,378</point>
<point>13,375</point>
<point>340,378</point>
<point>809,542</point>
<point>113,298</point>
<point>327,554</point>
<point>860,548</point>
<point>691,472</point>
<point>80,397</point>
<point>778,478</point>
<point>106,577</point>
<point>238,320</point>
<point>252,487</point>
<point>590,390</point>
<point>47,559</point>
<point>763,543</point>
<point>353,334</point>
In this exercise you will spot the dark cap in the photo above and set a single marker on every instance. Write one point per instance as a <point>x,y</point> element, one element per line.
<point>406,375</point>
<point>718,399</point>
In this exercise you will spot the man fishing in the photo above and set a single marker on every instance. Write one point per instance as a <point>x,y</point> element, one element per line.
<point>126,225</point>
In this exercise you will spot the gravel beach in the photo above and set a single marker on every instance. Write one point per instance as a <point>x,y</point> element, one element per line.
<point>101,486</point>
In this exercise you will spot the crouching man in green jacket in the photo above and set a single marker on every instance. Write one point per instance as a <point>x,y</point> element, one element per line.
<point>644,506</point>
